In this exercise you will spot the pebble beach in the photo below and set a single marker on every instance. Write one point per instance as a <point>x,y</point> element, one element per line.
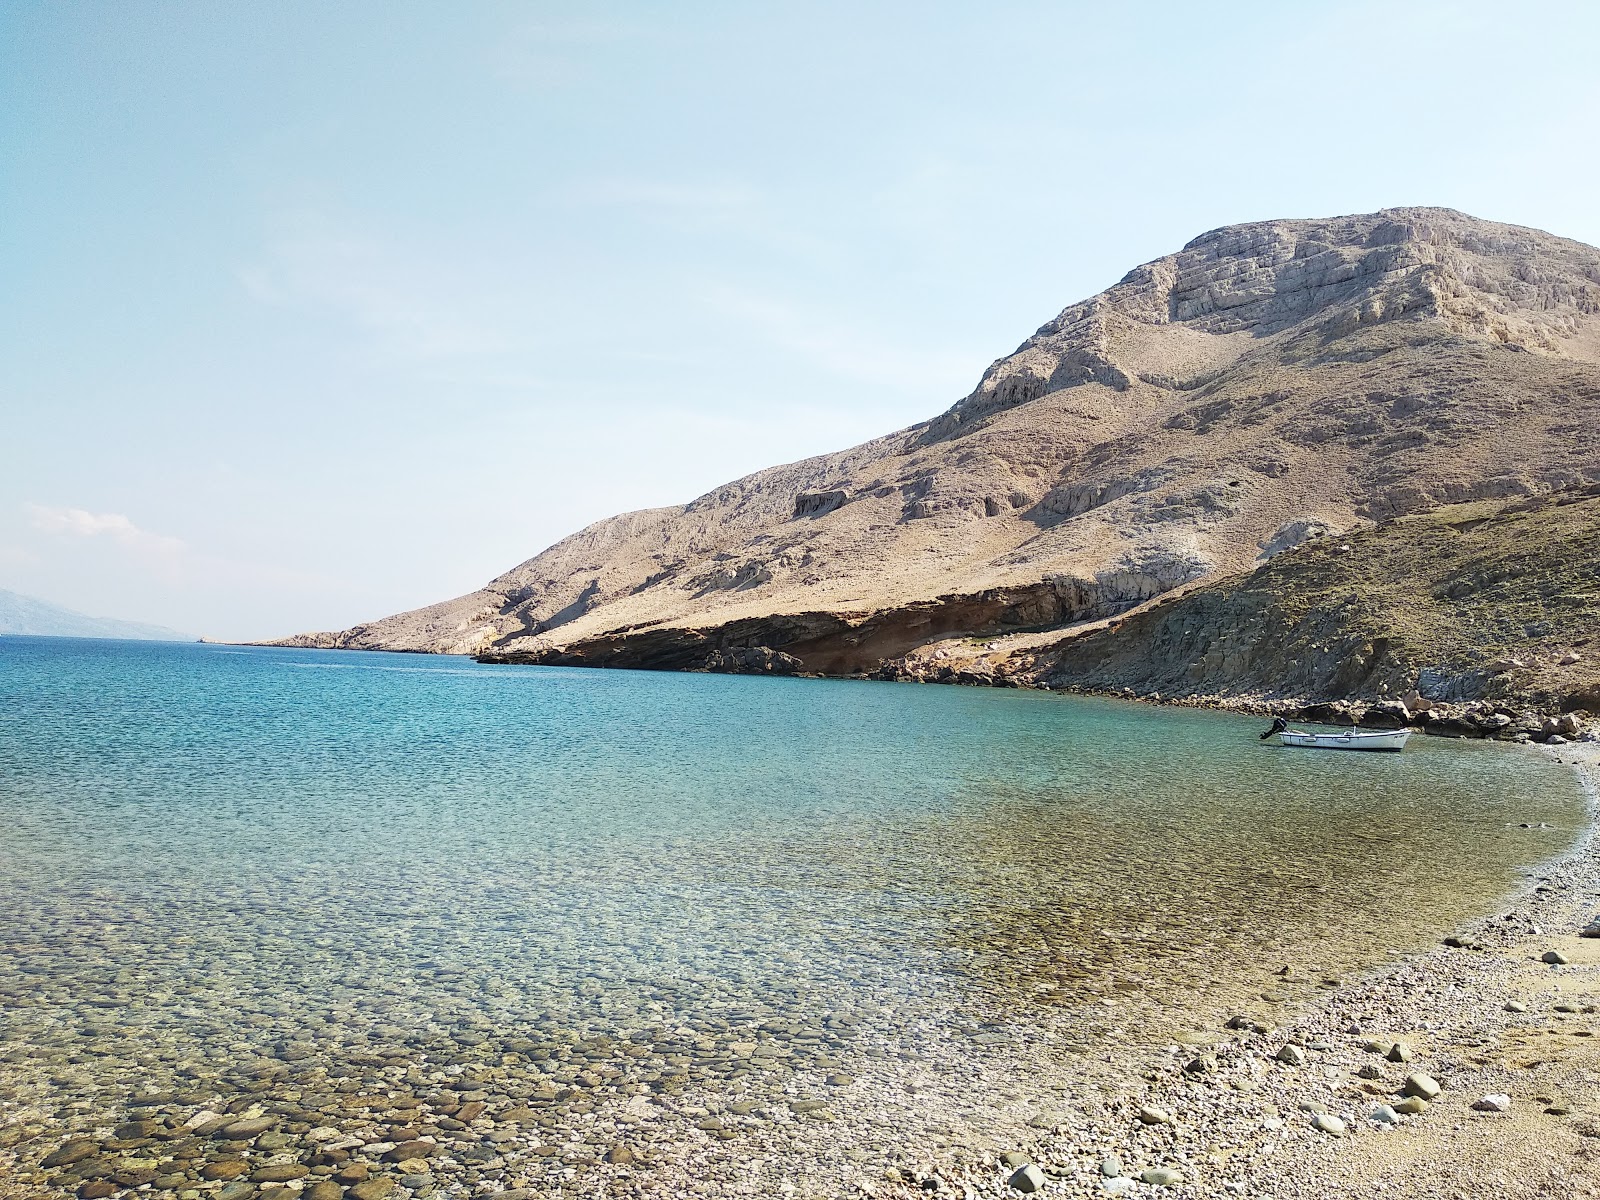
<point>1080,1015</point>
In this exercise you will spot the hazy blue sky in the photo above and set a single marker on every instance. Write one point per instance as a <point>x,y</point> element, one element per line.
<point>314,312</point>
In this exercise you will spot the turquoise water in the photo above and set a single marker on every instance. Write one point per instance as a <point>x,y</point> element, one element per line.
<point>282,874</point>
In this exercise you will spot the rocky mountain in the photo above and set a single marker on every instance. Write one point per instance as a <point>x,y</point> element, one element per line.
<point>21,614</point>
<point>1267,383</point>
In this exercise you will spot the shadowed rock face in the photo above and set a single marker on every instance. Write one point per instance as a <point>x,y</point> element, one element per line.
<point>1267,380</point>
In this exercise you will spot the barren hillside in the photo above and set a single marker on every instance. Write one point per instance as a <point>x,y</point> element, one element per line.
<point>1264,383</point>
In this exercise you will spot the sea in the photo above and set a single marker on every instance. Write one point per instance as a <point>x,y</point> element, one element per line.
<point>643,919</point>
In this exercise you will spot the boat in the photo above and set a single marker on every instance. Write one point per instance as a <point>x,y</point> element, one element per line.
<point>1345,739</point>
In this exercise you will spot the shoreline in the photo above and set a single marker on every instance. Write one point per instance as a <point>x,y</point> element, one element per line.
<point>1513,720</point>
<point>1233,1118</point>
<point>932,1111</point>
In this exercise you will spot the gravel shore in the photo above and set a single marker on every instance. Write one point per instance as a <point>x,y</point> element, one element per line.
<point>1490,1038</point>
<point>1463,1071</point>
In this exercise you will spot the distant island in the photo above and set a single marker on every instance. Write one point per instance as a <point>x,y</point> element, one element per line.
<point>33,617</point>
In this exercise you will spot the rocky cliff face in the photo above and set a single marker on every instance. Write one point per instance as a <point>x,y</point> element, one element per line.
<point>1267,382</point>
<point>1479,612</point>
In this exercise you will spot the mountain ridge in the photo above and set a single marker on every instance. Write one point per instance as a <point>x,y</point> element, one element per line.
<point>31,617</point>
<point>1267,381</point>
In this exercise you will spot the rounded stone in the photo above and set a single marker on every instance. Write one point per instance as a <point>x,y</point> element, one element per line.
<point>281,1173</point>
<point>1151,1114</point>
<point>1162,1176</point>
<point>1328,1124</point>
<point>406,1151</point>
<point>70,1152</point>
<point>228,1168</point>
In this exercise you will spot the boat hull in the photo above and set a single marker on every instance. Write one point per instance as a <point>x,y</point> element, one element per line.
<point>1387,739</point>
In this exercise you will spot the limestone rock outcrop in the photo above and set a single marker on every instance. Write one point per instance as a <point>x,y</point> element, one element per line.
<point>1214,408</point>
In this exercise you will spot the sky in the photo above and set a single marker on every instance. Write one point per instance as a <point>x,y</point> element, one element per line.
<point>312,312</point>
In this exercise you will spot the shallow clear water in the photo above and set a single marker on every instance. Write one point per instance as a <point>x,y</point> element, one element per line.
<point>286,874</point>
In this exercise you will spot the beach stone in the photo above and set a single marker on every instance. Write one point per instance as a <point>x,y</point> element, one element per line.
<point>323,1189</point>
<point>1292,1055</point>
<point>372,1189</point>
<point>1383,1114</point>
<point>1328,1123</point>
<point>1400,1053</point>
<point>1411,1106</point>
<point>1162,1176</point>
<point>1015,1159</point>
<point>354,1173</point>
<point>70,1152</point>
<point>406,1151</point>
<point>1201,1064</point>
<point>1516,1006</point>
<point>619,1155</point>
<point>228,1168</point>
<point>97,1189</point>
<point>1370,1071</point>
<point>280,1173</point>
<point>1424,1087</point>
<point>1152,1114</point>
<point>1555,958</point>
<point>249,1128</point>
<point>1111,1167</point>
<point>239,1189</point>
<point>1495,1102</point>
<point>839,1080</point>
<point>1027,1179</point>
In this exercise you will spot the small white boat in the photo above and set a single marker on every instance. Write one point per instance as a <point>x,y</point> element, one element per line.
<point>1346,739</point>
